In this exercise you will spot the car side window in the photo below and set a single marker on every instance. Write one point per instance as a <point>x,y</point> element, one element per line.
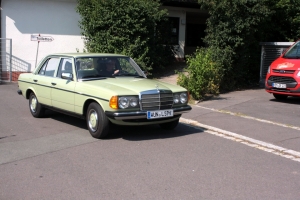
<point>65,67</point>
<point>49,67</point>
<point>43,69</point>
<point>126,66</point>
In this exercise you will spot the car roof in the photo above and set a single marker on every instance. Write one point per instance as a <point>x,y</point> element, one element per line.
<point>76,55</point>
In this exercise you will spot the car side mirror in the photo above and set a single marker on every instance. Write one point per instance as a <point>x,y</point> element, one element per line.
<point>68,76</point>
<point>146,73</point>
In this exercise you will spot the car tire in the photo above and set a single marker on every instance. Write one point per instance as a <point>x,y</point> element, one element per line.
<point>36,109</point>
<point>169,125</point>
<point>97,122</point>
<point>280,96</point>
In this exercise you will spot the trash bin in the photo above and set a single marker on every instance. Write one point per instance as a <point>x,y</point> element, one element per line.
<point>269,52</point>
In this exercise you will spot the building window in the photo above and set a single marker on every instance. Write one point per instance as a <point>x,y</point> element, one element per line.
<point>174,22</point>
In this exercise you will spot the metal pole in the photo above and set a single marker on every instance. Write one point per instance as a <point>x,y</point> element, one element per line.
<point>261,78</point>
<point>1,60</point>
<point>10,61</point>
<point>37,52</point>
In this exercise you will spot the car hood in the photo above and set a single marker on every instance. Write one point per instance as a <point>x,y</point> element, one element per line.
<point>129,85</point>
<point>286,64</point>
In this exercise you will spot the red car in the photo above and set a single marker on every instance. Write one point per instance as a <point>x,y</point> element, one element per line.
<point>283,77</point>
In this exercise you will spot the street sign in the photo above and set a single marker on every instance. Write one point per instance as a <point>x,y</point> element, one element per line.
<point>40,38</point>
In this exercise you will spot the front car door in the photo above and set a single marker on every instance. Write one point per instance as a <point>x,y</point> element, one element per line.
<point>62,94</point>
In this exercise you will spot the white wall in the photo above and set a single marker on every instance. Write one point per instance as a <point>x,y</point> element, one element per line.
<point>176,12</point>
<point>55,18</point>
<point>181,13</point>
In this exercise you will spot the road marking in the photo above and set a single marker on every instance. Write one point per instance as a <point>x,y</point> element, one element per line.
<point>253,118</point>
<point>277,150</point>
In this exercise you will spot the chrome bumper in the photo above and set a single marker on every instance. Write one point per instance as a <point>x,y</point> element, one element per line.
<point>142,114</point>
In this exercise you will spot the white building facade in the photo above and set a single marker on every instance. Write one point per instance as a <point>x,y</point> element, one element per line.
<point>23,20</point>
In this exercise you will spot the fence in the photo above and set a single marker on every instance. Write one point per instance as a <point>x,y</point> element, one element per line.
<point>5,60</point>
<point>11,66</point>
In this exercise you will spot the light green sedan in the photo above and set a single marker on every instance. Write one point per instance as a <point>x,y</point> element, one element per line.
<point>103,89</point>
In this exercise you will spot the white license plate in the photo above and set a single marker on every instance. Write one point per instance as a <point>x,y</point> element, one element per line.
<point>159,114</point>
<point>279,85</point>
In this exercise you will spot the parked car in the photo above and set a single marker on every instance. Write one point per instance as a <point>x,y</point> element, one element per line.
<point>103,89</point>
<point>283,77</point>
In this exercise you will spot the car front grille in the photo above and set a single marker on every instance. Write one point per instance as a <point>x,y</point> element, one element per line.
<point>282,79</point>
<point>283,71</point>
<point>156,100</point>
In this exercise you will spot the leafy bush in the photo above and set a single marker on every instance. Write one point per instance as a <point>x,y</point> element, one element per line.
<point>203,74</point>
<point>129,27</point>
<point>234,28</point>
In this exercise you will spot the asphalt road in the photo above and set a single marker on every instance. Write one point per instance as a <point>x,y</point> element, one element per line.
<point>241,145</point>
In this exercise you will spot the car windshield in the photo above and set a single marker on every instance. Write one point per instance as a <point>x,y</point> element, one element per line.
<point>101,67</point>
<point>293,52</point>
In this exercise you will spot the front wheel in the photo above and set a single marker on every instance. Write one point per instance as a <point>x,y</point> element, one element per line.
<point>97,122</point>
<point>169,125</point>
<point>36,109</point>
<point>280,96</point>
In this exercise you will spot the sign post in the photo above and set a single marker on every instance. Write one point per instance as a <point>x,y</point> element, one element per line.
<point>39,39</point>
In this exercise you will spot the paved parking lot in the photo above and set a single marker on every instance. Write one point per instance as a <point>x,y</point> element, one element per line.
<point>55,157</point>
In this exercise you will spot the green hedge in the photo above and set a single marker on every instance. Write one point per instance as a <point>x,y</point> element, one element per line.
<point>131,27</point>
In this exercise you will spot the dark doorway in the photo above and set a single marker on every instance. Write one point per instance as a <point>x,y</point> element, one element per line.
<point>195,31</point>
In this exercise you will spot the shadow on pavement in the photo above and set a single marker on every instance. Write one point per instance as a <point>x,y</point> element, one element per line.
<point>151,132</point>
<point>289,100</point>
<point>133,133</point>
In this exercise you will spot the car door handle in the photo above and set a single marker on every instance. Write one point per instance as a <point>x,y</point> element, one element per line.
<point>35,80</point>
<point>53,83</point>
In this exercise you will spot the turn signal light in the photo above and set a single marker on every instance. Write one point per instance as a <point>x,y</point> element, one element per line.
<point>113,102</point>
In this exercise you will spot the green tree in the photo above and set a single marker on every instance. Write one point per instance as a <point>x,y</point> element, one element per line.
<point>284,23</point>
<point>129,27</point>
<point>233,30</point>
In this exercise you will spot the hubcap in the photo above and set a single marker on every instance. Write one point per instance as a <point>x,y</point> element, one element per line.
<point>33,104</point>
<point>93,120</point>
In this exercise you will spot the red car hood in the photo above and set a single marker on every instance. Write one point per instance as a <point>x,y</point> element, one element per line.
<point>286,64</point>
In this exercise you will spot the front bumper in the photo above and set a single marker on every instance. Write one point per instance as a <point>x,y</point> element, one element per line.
<point>292,84</point>
<point>143,114</point>
<point>286,91</point>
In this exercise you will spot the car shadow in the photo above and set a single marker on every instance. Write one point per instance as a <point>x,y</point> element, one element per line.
<point>289,100</point>
<point>74,121</point>
<point>150,132</point>
<point>132,133</point>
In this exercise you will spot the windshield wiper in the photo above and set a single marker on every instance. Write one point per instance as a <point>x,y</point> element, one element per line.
<point>139,76</point>
<point>128,74</point>
<point>92,77</point>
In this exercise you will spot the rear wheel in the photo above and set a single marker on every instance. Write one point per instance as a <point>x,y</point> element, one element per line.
<point>169,125</point>
<point>280,96</point>
<point>36,109</point>
<point>97,122</point>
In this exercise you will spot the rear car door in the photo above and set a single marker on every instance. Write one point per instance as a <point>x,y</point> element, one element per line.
<point>42,80</point>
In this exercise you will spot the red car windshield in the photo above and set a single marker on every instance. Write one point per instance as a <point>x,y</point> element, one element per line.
<point>293,52</point>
